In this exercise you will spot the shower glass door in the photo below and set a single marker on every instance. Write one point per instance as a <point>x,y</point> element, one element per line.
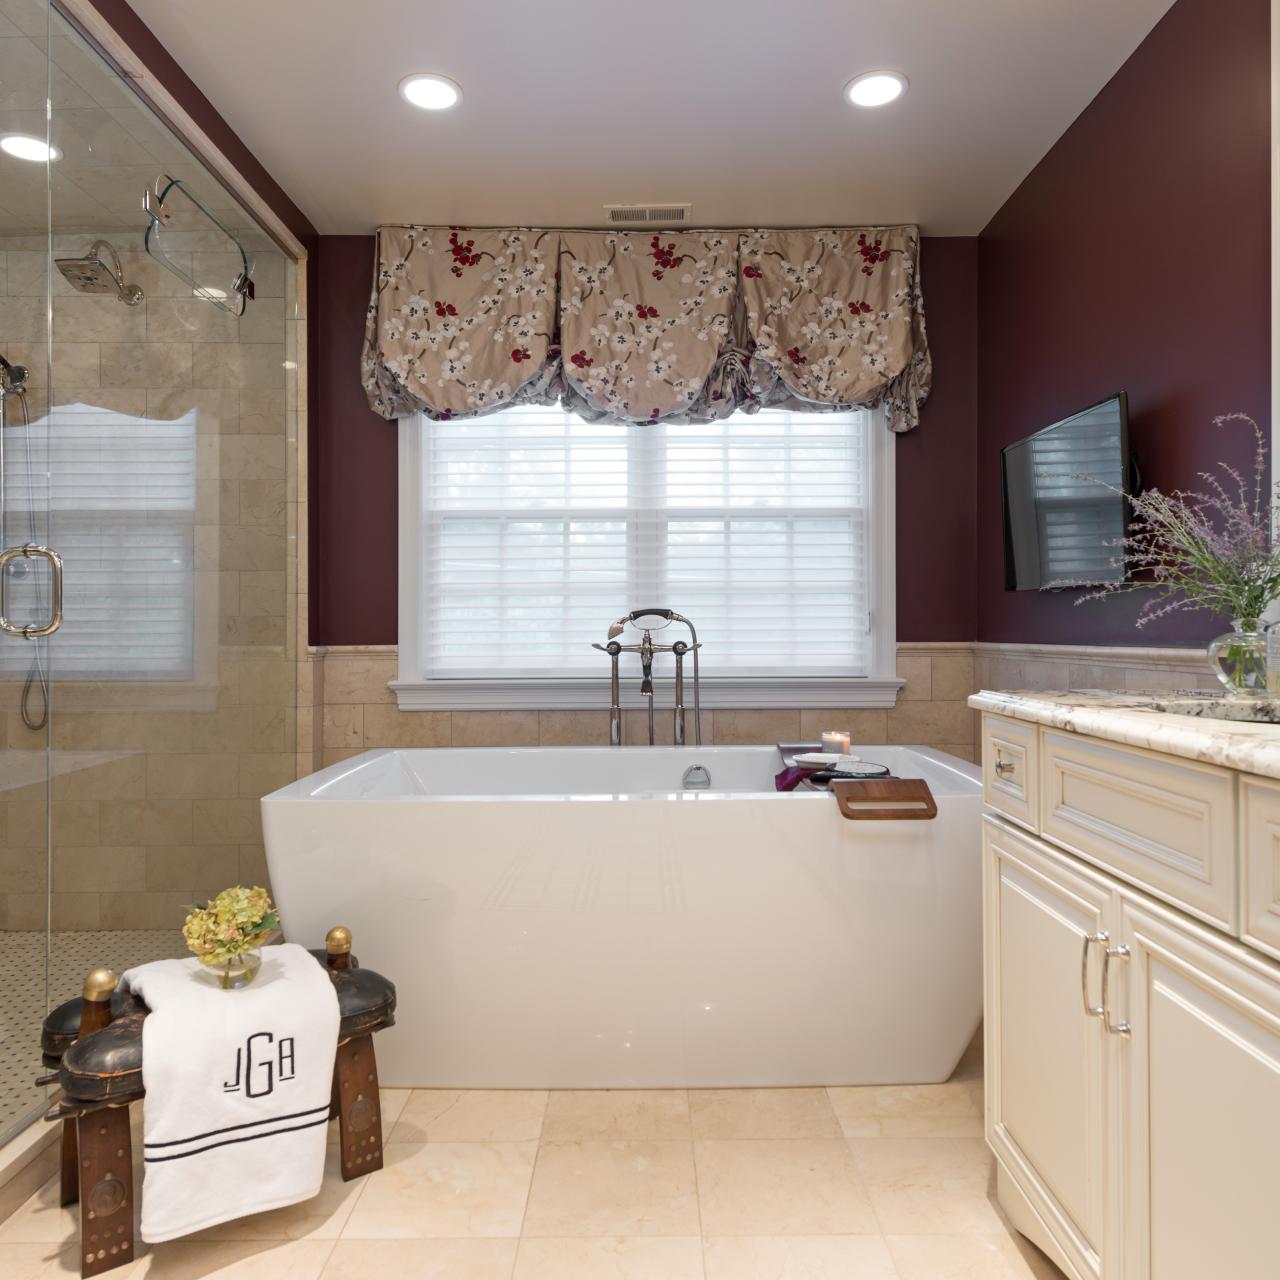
<point>155,451</point>
<point>25,753</point>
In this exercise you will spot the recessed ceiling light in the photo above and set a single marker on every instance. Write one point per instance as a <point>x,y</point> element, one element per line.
<point>875,88</point>
<point>430,92</point>
<point>24,147</point>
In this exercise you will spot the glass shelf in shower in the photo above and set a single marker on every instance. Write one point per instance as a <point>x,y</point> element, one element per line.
<point>186,237</point>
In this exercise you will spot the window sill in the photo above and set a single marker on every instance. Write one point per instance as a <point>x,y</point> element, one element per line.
<point>577,693</point>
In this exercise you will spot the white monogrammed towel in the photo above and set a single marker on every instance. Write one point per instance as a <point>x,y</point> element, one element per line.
<point>238,1086</point>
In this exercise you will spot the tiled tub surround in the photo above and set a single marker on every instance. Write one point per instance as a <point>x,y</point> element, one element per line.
<point>344,692</point>
<point>355,710</point>
<point>155,784</point>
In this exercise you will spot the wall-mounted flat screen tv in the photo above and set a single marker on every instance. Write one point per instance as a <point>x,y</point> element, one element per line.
<point>1059,521</point>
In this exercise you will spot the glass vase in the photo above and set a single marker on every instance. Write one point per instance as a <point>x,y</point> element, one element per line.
<point>240,970</point>
<point>1239,659</point>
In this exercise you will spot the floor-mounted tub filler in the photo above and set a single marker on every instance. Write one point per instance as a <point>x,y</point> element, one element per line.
<point>579,917</point>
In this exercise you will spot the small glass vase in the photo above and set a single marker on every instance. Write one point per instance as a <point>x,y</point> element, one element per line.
<point>240,970</point>
<point>1239,659</point>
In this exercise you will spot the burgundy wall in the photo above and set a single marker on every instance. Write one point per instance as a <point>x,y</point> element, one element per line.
<point>353,463</point>
<point>1133,257</point>
<point>935,462</point>
<point>352,467</point>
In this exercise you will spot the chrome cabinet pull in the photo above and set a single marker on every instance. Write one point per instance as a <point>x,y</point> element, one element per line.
<point>32,631</point>
<point>1092,1010</point>
<point>1121,1028</point>
<point>1004,768</point>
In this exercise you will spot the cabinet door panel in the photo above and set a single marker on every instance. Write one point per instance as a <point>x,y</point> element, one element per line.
<point>1202,1080</point>
<point>1046,1104</point>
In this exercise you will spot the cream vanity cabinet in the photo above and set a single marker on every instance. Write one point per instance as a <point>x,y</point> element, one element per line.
<point>1133,1048</point>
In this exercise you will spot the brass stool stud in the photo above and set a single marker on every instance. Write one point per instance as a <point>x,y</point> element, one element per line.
<point>100,985</point>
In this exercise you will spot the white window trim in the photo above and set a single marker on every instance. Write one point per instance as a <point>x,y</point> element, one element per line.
<point>413,693</point>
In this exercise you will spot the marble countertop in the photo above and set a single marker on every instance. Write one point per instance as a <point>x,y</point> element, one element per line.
<point>1138,721</point>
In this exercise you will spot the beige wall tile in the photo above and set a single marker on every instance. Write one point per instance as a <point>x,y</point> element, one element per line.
<point>864,725</point>
<point>755,727</point>
<point>217,411</point>
<point>493,729</point>
<point>262,773</point>
<point>387,726</point>
<point>358,678</point>
<point>160,910</point>
<point>228,820</point>
<point>209,868</point>
<point>125,778</point>
<point>917,671</point>
<point>86,318</point>
<point>953,676</point>
<point>924,723</point>
<point>22,870</point>
<point>187,319</point>
<point>79,869</point>
<point>27,911</point>
<point>229,364</point>
<point>145,364</point>
<point>262,411</point>
<point>74,911</point>
<point>195,776</point>
<point>253,865</point>
<point>573,728</point>
<point>343,726</point>
<point>262,501</point>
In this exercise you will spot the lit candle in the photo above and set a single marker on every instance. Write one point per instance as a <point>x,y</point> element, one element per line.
<point>836,740</point>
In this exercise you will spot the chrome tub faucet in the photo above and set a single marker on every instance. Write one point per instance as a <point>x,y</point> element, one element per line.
<point>648,621</point>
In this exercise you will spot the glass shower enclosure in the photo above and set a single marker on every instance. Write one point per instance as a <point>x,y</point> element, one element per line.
<point>148,591</point>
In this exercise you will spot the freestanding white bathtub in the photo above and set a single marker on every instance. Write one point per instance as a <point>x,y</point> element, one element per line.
<point>572,918</point>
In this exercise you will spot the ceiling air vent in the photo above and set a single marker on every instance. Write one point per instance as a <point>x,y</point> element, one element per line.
<point>638,215</point>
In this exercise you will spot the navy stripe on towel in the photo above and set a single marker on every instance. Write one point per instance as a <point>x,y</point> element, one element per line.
<point>226,1142</point>
<point>231,1128</point>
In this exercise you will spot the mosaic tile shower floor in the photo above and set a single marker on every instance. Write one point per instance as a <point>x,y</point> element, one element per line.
<point>72,953</point>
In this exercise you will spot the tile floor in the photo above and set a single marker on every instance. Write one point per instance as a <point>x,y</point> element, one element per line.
<point>890,1183</point>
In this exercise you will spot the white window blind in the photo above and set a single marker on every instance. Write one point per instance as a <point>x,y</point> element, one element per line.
<point>540,529</point>
<point>115,495</point>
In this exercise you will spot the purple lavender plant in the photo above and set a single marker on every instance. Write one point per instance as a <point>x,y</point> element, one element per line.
<point>1202,550</point>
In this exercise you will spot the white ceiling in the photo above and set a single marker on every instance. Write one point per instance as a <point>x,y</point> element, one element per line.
<point>734,105</point>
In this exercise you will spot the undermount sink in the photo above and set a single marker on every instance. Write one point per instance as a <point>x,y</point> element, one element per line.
<point>1251,710</point>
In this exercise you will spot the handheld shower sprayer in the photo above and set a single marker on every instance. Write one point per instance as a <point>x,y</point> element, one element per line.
<point>13,378</point>
<point>99,271</point>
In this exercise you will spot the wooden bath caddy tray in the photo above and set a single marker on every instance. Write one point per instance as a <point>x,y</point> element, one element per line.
<point>885,799</point>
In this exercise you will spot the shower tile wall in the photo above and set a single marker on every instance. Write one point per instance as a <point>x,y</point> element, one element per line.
<point>156,784</point>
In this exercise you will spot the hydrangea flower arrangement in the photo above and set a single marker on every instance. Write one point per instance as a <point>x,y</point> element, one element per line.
<point>219,931</point>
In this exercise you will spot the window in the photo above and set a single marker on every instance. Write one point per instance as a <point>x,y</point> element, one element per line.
<point>527,532</point>
<point>120,497</point>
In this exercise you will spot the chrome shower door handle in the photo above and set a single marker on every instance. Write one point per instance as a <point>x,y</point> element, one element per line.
<point>32,631</point>
<point>1092,1010</point>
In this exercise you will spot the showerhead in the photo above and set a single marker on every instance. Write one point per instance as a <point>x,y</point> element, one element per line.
<point>99,271</point>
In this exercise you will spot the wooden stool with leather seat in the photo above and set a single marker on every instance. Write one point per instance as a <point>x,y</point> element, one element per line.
<point>93,1044</point>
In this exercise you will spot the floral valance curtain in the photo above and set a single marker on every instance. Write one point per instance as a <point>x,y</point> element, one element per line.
<point>638,327</point>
